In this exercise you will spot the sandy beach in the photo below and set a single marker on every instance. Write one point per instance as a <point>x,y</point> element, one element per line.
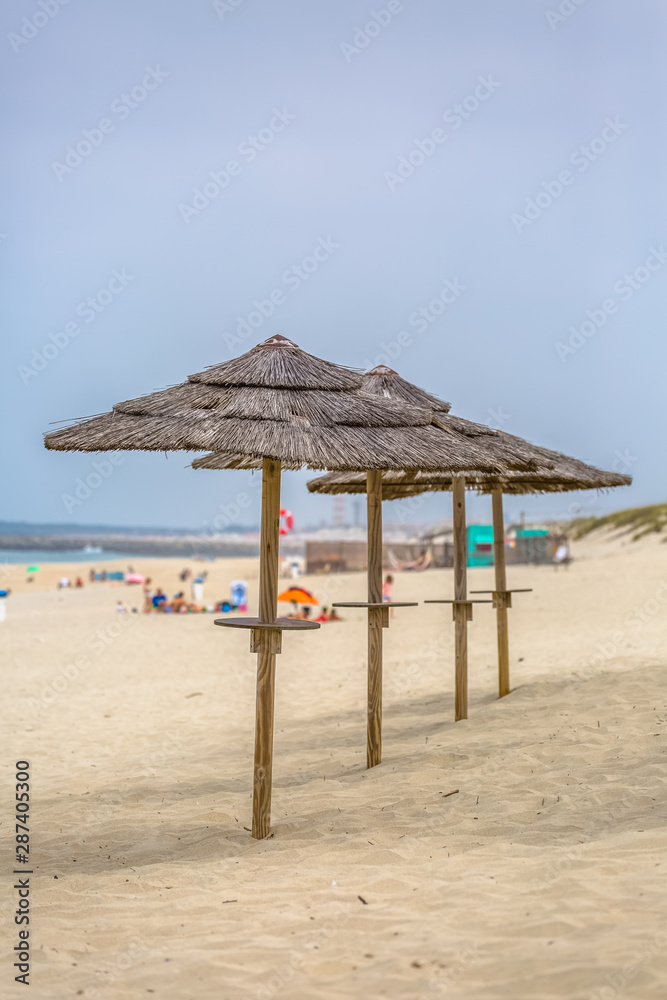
<point>542,876</point>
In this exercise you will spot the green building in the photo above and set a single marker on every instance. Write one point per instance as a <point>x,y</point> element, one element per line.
<point>480,545</point>
<point>480,542</point>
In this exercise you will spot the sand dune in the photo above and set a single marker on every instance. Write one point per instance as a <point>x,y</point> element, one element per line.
<point>542,877</point>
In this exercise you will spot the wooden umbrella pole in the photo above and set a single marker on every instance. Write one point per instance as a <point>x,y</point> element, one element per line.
<point>374,718</point>
<point>460,594</point>
<point>501,593</point>
<point>266,657</point>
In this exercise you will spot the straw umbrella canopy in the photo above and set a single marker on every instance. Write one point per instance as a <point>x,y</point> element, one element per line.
<point>278,406</point>
<point>556,473</point>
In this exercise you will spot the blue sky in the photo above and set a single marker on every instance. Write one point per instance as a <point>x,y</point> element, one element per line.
<point>515,151</point>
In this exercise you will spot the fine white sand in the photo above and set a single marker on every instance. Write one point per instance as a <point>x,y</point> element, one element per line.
<point>544,876</point>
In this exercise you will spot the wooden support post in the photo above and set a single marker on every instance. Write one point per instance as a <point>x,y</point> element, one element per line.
<point>266,657</point>
<point>375,618</point>
<point>460,594</point>
<point>501,593</point>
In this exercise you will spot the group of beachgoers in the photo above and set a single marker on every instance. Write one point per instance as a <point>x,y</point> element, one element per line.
<point>157,602</point>
<point>303,614</point>
<point>64,582</point>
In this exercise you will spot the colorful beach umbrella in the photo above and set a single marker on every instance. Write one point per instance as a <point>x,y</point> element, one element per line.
<point>299,595</point>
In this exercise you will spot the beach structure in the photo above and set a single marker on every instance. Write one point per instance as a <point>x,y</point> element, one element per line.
<point>277,407</point>
<point>553,472</point>
<point>480,448</point>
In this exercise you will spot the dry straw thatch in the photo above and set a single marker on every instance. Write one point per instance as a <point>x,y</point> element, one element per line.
<point>570,475</point>
<point>553,472</point>
<point>278,402</point>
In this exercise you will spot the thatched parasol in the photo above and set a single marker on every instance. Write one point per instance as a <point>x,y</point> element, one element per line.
<point>277,406</point>
<point>558,473</point>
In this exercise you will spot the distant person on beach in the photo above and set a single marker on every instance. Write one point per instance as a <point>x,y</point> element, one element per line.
<point>159,600</point>
<point>79,582</point>
<point>239,593</point>
<point>120,608</point>
<point>179,603</point>
<point>562,556</point>
<point>386,588</point>
<point>323,615</point>
<point>63,582</point>
<point>148,604</point>
<point>91,576</point>
<point>334,617</point>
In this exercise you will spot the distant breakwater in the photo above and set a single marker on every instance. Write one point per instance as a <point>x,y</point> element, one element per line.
<point>185,548</point>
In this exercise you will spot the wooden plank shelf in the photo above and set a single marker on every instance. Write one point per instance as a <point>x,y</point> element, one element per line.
<point>477,601</point>
<point>267,635</point>
<point>461,612</point>
<point>515,590</point>
<point>503,598</point>
<point>278,623</point>
<point>375,604</point>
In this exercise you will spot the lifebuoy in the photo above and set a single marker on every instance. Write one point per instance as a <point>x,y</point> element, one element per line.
<point>286,521</point>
